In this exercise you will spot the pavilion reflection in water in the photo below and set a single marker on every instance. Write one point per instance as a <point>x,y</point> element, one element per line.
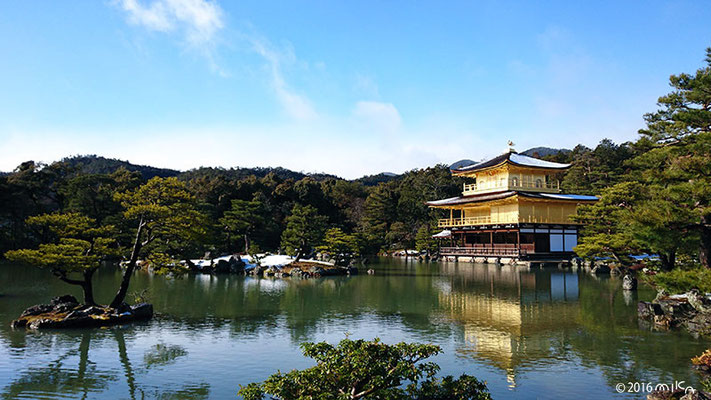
<point>510,318</point>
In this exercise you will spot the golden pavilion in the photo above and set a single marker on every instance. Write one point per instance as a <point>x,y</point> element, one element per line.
<point>512,208</point>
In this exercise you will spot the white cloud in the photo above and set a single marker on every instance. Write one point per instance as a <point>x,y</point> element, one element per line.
<point>380,115</point>
<point>198,21</point>
<point>296,105</point>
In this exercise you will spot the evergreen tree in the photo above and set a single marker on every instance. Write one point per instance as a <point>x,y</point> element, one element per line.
<point>675,159</point>
<point>77,248</point>
<point>425,241</point>
<point>341,246</point>
<point>167,223</point>
<point>628,219</point>
<point>304,230</point>
<point>243,219</point>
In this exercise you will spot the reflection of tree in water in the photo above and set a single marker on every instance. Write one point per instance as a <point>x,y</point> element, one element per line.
<point>162,355</point>
<point>58,377</point>
<point>299,307</point>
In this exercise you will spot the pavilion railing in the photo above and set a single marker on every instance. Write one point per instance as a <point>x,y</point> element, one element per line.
<point>537,185</point>
<point>493,219</point>
<point>485,250</point>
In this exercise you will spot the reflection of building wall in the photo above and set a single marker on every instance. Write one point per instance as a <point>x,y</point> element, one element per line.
<point>500,275</point>
<point>510,331</point>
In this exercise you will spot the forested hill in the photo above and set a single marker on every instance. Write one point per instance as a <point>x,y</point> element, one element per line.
<point>92,164</point>
<point>383,177</point>
<point>259,172</point>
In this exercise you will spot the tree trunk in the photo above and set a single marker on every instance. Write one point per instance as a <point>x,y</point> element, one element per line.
<point>705,248</point>
<point>85,284</point>
<point>246,243</point>
<point>88,288</point>
<point>123,289</point>
<point>668,260</point>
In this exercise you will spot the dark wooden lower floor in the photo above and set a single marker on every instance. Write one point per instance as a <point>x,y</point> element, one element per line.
<point>524,241</point>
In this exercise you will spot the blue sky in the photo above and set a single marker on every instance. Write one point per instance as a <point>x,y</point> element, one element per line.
<point>350,88</point>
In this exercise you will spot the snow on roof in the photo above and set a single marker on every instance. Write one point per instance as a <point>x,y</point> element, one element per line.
<point>534,162</point>
<point>568,196</point>
<point>443,201</point>
<point>470,199</point>
<point>515,158</point>
<point>502,195</point>
<point>445,233</point>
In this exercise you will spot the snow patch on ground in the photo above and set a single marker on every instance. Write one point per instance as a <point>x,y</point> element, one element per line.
<point>266,260</point>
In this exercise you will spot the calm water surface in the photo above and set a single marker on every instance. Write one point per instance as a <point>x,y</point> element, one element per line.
<point>540,334</point>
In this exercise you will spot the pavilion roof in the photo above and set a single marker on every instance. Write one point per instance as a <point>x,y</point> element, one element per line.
<point>513,158</point>
<point>452,201</point>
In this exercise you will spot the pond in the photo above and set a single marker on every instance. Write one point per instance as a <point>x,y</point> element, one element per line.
<point>538,334</point>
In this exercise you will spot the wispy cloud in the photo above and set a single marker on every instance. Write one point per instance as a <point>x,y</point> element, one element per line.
<point>198,21</point>
<point>296,105</point>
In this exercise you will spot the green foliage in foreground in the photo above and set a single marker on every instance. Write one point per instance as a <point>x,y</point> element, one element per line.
<point>680,280</point>
<point>360,369</point>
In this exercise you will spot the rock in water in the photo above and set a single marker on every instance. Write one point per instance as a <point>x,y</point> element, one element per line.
<point>629,282</point>
<point>700,302</point>
<point>690,310</point>
<point>647,310</point>
<point>222,267</point>
<point>66,312</point>
<point>677,394</point>
<point>142,311</point>
<point>600,269</point>
<point>236,264</point>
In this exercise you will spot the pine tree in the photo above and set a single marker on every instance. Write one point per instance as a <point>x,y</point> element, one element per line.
<point>676,156</point>
<point>77,247</point>
<point>167,223</point>
<point>243,219</point>
<point>304,230</point>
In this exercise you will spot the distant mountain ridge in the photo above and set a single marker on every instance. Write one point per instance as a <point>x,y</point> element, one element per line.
<point>373,180</point>
<point>260,172</point>
<point>462,163</point>
<point>540,152</point>
<point>93,164</point>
